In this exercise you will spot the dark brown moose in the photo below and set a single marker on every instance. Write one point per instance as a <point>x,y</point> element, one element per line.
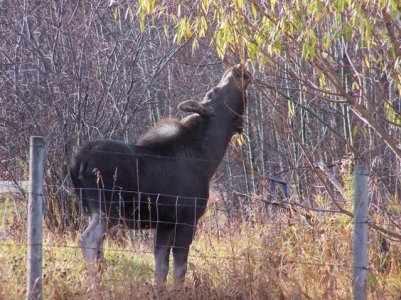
<point>162,181</point>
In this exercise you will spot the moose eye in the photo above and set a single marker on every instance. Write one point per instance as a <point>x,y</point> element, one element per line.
<point>242,73</point>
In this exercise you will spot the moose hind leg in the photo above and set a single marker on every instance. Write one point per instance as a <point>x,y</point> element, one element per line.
<point>91,239</point>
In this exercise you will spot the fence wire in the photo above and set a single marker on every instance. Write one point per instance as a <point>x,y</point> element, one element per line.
<point>257,216</point>
<point>244,257</point>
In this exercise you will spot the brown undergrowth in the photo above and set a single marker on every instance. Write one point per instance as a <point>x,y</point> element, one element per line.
<point>283,256</point>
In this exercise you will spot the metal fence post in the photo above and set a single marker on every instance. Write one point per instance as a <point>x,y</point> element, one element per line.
<point>360,244</point>
<point>35,217</point>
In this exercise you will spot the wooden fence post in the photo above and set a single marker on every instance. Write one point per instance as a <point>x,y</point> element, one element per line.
<point>35,217</point>
<point>360,244</point>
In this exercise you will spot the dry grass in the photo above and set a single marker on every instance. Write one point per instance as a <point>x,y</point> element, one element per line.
<point>286,258</point>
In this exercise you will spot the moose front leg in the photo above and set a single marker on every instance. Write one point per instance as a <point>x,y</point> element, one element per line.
<point>180,266</point>
<point>162,247</point>
<point>184,236</point>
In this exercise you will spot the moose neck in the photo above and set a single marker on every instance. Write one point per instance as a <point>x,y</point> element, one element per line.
<point>217,136</point>
<point>221,111</point>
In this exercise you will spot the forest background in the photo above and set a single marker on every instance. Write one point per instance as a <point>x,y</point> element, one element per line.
<point>326,90</point>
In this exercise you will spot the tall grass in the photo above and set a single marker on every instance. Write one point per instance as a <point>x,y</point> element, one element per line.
<point>285,257</point>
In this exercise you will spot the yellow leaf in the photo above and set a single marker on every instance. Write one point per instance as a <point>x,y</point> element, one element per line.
<point>205,6</point>
<point>272,4</point>
<point>240,4</point>
<point>392,115</point>
<point>322,80</point>
<point>116,12</point>
<point>253,9</point>
<point>355,86</point>
<point>291,110</point>
<point>367,64</point>
<point>238,140</point>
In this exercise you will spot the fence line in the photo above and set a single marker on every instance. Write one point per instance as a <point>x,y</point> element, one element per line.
<point>120,191</point>
<point>225,160</point>
<point>285,205</point>
<point>144,199</point>
<point>250,221</point>
<point>204,256</point>
<point>211,208</point>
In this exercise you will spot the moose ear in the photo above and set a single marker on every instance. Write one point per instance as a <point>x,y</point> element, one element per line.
<point>196,107</point>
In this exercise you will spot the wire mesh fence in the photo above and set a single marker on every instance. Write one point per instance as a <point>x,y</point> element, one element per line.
<point>217,225</point>
<point>216,215</point>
